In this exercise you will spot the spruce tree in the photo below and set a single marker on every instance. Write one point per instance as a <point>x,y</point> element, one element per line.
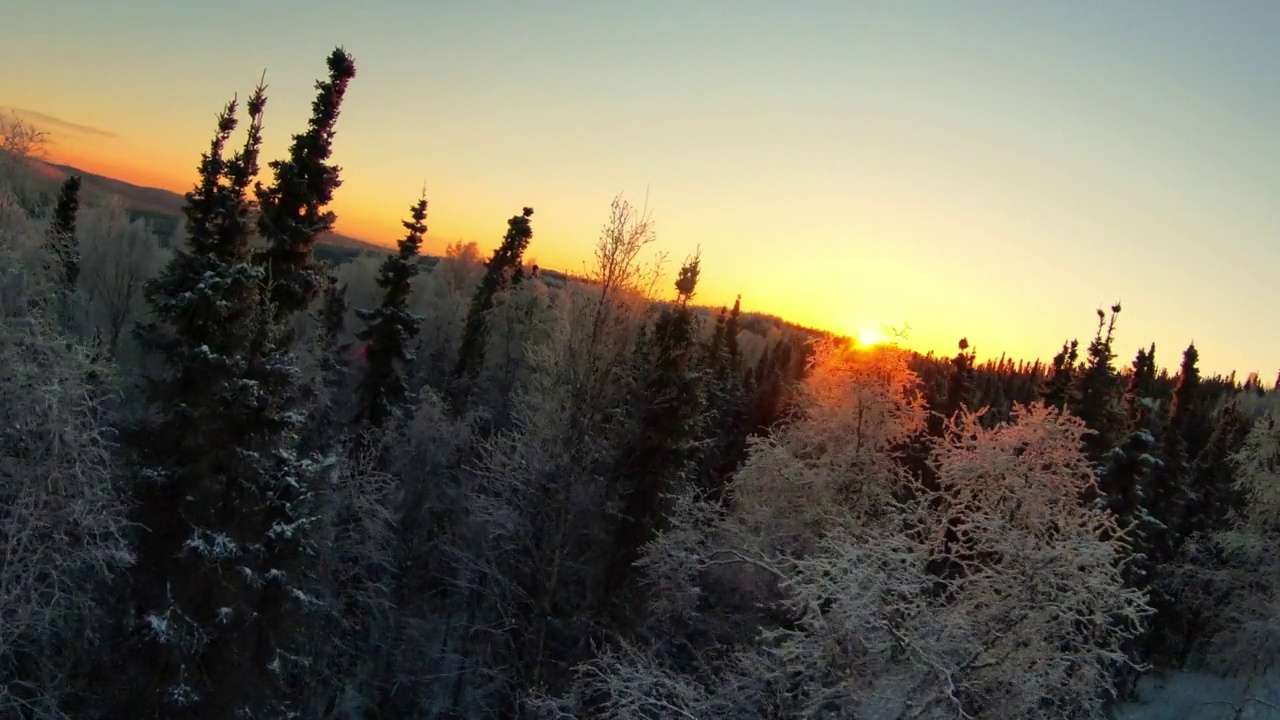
<point>1214,498</point>
<point>389,327</point>
<point>1143,382</point>
<point>221,497</point>
<point>1058,389</point>
<point>960,384</point>
<point>731,336</point>
<point>725,397</point>
<point>292,209</point>
<point>62,234</point>
<point>663,444</point>
<point>499,272</point>
<point>716,347</point>
<point>329,414</point>
<point>1097,396</point>
<point>1190,414</point>
<point>1143,390</point>
<point>333,311</point>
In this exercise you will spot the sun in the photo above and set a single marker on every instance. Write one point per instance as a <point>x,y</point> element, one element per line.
<point>868,337</point>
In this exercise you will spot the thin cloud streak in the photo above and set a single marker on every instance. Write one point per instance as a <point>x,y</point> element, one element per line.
<point>59,123</point>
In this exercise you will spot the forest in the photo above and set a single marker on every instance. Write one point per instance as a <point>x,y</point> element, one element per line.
<point>239,480</point>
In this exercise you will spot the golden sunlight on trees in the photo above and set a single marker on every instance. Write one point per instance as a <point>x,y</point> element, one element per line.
<point>239,482</point>
<point>868,337</point>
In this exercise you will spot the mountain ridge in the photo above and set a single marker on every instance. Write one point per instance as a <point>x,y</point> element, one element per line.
<point>154,201</point>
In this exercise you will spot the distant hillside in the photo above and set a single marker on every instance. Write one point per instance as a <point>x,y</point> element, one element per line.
<point>164,207</point>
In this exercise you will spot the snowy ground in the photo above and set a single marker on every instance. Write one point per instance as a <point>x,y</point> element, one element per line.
<point>1197,696</point>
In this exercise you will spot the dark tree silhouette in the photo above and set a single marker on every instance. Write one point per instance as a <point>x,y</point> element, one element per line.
<point>221,496</point>
<point>292,209</point>
<point>62,234</point>
<point>500,270</point>
<point>390,327</point>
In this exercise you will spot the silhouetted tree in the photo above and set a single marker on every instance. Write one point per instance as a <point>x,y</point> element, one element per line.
<point>292,209</point>
<point>664,442</point>
<point>1058,389</point>
<point>62,234</point>
<point>1097,396</point>
<point>960,384</point>
<point>1190,416</point>
<point>221,496</point>
<point>1142,383</point>
<point>390,328</point>
<point>715,347</point>
<point>731,336</point>
<point>499,271</point>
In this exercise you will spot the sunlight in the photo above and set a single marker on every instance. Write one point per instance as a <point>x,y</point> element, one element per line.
<point>868,337</point>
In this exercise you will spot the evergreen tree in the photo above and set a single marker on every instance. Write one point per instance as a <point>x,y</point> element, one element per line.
<point>1190,418</point>
<point>292,210</point>
<point>1182,495</point>
<point>960,384</point>
<point>62,234</point>
<point>726,392</point>
<point>1097,396</point>
<point>1142,383</point>
<point>1058,390</point>
<point>664,442</point>
<point>716,347</point>
<point>333,311</point>
<point>1123,489</point>
<point>731,336</point>
<point>499,271</point>
<point>1213,496</point>
<point>390,327</point>
<point>221,499</point>
<point>329,412</point>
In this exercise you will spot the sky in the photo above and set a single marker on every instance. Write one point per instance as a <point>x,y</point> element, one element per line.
<point>989,169</point>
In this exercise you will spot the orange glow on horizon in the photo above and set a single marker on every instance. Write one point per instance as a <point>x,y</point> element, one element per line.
<point>109,167</point>
<point>868,337</point>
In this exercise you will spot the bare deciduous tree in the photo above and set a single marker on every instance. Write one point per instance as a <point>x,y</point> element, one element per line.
<point>62,515</point>
<point>118,256</point>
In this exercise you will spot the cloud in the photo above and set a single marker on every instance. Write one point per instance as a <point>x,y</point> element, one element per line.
<point>40,118</point>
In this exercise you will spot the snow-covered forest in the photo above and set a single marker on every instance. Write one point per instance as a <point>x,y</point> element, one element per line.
<point>237,481</point>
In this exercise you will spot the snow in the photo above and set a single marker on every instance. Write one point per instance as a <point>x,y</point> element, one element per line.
<point>1199,696</point>
<point>159,626</point>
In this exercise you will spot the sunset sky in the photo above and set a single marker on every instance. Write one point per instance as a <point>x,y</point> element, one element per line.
<point>996,170</point>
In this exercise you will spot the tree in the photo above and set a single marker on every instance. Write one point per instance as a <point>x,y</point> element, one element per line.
<point>390,327</point>
<point>222,495</point>
<point>731,336</point>
<point>63,244</point>
<point>1231,576</point>
<point>21,145</point>
<point>960,384</point>
<point>663,445</point>
<point>1143,388</point>
<point>63,510</point>
<point>292,209</point>
<point>333,317</point>
<point>1030,625</point>
<point>118,256</point>
<point>499,271</point>
<point>1097,394</point>
<point>519,316</point>
<point>1189,415</point>
<point>1057,391</point>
